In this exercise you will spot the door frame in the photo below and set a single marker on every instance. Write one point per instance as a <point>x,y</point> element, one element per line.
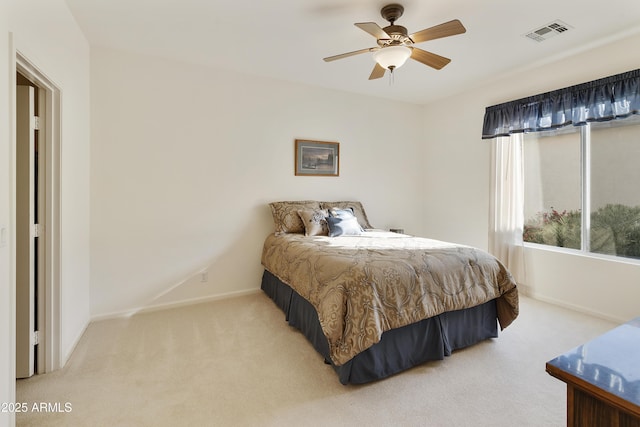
<point>49,320</point>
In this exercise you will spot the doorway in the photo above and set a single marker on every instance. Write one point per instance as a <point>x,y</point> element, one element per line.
<point>28,250</point>
<point>37,221</point>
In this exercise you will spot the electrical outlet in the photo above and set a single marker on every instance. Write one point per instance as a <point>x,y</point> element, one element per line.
<point>204,276</point>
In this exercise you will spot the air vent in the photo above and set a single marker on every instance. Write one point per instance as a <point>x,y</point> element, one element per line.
<point>552,29</point>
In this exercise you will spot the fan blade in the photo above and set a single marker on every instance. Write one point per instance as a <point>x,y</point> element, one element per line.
<point>377,72</point>
<point>428,58</point>
<point>447,29</point>
<point>373,29</point>
<point>345,55</point>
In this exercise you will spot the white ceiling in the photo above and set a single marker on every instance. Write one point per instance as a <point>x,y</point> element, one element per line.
<point>287,39</point>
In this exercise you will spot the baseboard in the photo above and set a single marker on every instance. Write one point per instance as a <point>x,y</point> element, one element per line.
<point>65,358</point>
<point>528,291</point>
<point>578,308</point>
<point>170,305</point>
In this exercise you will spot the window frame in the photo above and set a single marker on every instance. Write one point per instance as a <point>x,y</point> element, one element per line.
<point>585,214</point>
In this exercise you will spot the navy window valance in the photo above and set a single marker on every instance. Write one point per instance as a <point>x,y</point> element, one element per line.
<point>604,99</point>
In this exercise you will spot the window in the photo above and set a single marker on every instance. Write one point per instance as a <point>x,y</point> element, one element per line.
<point>579,172</point>
<point>581,187</point>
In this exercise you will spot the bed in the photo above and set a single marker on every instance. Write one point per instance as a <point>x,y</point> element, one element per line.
<point>374,303</point>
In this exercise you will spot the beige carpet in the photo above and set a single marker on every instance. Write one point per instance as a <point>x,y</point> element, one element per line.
<point>237,363</point>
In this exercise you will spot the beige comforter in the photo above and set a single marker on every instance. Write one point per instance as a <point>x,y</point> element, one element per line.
<point>362,286</point>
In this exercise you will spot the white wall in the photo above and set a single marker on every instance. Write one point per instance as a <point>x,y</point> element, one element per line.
<point>7,298</point>
<point>46,34</point>
<point>457,182</point>
<point>186,158</point>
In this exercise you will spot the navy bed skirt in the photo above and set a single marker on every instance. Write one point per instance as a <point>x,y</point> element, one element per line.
<point>399,349</point>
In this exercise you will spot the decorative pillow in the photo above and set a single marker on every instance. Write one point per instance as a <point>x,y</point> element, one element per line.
<point>340,213</point>
<point>358,210</point>
<point>343,226</point>
<point>315,221</point>
<point>285,215</point>
<point>344,214</point>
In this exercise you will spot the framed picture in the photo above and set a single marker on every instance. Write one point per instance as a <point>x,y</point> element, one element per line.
<point>317,158</point>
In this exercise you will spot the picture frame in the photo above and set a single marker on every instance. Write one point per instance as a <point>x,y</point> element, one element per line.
<point>317,158</point>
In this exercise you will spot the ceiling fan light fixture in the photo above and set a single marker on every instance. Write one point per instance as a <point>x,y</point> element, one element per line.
<point>392,57</point>
<point>396,45</point>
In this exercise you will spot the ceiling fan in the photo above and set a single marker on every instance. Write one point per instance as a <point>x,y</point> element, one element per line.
<point>395,46</point>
